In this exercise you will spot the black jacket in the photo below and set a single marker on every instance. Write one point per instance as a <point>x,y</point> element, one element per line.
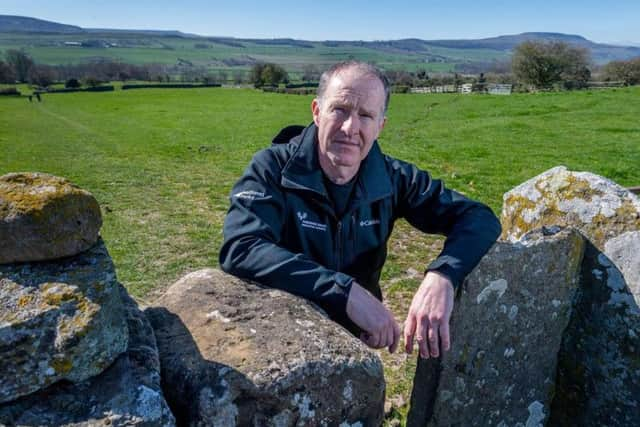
<point>281,229</point>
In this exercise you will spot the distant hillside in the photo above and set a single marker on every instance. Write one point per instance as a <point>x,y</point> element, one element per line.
<point>141,32</point>
<point>599,51</point>
<point>508,42</point>
<point>23,24</point>
<point>54,43</point>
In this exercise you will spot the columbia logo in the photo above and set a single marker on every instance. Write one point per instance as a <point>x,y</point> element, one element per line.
<point>369,222</point>
<point>302,216</point>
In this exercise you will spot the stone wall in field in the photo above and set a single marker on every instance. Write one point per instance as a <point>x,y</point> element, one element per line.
<point>546,329</point>
<point>75,347</point>
<point>77,351</point>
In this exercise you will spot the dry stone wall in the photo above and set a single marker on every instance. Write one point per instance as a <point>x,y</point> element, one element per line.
<point>546,329</point>
<point>45,217</point>
<point>59,320</point>
<point>75,348</point>
<point>235,354</point>
<point>571,299</point>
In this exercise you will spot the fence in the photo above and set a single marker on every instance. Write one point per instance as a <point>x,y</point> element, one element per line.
<point>604,85</point>
<point>499,89</point>
<point>492,88</point>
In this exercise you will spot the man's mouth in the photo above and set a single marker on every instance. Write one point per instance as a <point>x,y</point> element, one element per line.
<point>350,143</point>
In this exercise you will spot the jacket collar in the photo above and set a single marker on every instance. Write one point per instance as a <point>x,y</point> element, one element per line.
<point>303,171</point>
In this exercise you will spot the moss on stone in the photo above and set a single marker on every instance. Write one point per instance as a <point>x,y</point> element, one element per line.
<point>563,187</point>
<point>56,294</point>
<point>24,193</point>
<point>62,366</point>
<point>25,300</point>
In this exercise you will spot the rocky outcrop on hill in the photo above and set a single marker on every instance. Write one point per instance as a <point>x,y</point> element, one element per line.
<point>581,367</point>
<point>127,393</point>
<point>233,353</point>
<point>44,217</point>
<point>58,320</point>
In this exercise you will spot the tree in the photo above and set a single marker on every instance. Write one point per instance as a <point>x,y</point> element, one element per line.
<point>20,62</point>
<point>42,75</point>
<point>72,83</point>
<point>268,74</point>
<point>310,73</point>
<point>222,76</point>
<point>6,73</point>
<point>238,77</point>
<point>542,64</point>
<point>624,71</point>
<point>92,81</point>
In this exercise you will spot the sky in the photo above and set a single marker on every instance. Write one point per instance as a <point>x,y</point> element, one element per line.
<point>615,21</point>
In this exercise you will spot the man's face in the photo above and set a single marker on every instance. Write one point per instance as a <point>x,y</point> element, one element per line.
<point>349,118</point>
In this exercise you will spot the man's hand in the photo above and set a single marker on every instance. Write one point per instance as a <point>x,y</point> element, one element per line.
<point>381,329</point>
<point>429,315</point>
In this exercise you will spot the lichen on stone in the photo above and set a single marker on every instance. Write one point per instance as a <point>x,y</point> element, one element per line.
<point>600,208</point>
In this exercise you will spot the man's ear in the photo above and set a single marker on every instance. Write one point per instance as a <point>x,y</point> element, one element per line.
<point>384,122</point>
<point>315,110</point>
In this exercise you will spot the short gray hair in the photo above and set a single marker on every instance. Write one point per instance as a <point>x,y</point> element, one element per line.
<point>364,68</point>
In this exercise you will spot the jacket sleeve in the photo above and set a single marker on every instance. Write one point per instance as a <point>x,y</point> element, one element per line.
<point>253,249</point>
<point>470,227</point>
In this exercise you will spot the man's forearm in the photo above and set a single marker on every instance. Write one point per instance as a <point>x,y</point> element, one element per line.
<point>262,261</point>
<point>466,244</point>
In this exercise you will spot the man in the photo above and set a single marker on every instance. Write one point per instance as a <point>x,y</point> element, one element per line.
<point>313,217</point>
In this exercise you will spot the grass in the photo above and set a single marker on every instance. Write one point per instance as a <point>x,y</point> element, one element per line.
<point>161,163</point>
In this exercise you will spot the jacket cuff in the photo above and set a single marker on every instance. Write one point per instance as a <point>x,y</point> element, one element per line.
<point>343,288</point>
<point>443,266</point>
<point>334,300</point>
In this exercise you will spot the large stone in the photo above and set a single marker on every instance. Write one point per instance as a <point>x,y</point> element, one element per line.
<point>599,208</point>
<point>598,381</point>
<point>624,251</point>
<point>507,328</point>
<point>58,320</point>
<point>126,394</point>
<point>235,354</point>
<point>44,217</point>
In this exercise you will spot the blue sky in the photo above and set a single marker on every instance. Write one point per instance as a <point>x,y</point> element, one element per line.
<point>613,22</point>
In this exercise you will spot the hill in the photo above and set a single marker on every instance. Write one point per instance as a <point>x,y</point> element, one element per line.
<point>54,43</point>
<point>23,24</point>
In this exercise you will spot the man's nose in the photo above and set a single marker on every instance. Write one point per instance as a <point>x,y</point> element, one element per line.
<point>351,125</point>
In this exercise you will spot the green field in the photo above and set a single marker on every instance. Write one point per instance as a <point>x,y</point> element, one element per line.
<point>161,163</point>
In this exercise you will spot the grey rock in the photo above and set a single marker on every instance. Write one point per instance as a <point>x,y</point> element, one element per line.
<point>44,217</point>
<point>127,393</point>
<point>624,251</point>
<point>233,353</point>
<point>58,320</point>
<point>598,382</point>
<point>598,207</point>
<point>507,329</point>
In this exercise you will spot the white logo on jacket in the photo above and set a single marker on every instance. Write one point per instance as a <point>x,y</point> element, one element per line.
<point>302,216</point>
<point>250,195</point>
<point>369,222</point>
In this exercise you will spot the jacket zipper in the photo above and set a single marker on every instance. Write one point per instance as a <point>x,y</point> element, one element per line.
<point>339,245</point>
